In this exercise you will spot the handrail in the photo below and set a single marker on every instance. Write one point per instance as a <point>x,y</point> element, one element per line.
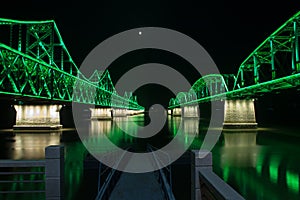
<point>205,183</point>
<point>23,163</point>
<point>216,186</point>
<point>103,189</point>
<point>49,172</point>
<point>167,186</point>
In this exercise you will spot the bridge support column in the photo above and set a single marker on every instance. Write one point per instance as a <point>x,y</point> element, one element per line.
<point>37,117</point>
<point>176,112</point>
<point>7,115</point>
<point>101,113</point>
<point>239,114</point>
<point>119,112</point>
<point>135,112</point>
<point>190,111</point>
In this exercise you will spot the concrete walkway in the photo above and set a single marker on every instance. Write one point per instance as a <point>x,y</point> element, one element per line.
<point>137,187</point>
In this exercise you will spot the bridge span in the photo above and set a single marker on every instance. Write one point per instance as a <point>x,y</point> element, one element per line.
<point>273,66</point>
<point>39,77</point>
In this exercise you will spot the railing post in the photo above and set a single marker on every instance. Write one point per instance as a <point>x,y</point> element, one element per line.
<point>54,171</point>
<point>198,161</point>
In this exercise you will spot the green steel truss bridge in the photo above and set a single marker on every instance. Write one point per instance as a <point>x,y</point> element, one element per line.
<point>35,64</point>
<point>274,65</point>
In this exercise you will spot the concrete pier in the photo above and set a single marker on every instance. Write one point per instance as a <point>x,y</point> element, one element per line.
<point>101,113</point>
<point>191,111</point>
<point>42,117</point>
<point>119,112</point>
<point>239,113</point>
<point>175,112</point>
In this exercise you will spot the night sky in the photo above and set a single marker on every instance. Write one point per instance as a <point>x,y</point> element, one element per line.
<point>228,30</point>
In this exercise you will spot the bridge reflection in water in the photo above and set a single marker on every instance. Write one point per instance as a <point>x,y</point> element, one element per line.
<point>257,166</point>
<point>261,164</point>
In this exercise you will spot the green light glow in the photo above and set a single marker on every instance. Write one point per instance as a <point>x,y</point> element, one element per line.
<point>246,83</point>
<point>292,181</point>
<point>226,173</point>
<point>259,164</point>
<point>273,169</point>
<point>41,67</point>
<point>186,139</point>
<point>282,36</point>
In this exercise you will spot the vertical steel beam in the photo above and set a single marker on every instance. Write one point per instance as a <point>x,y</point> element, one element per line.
<point>11,36</point>
<point>296,47</point>
<point>20,38</point>
<point>51,53</point>
<point>211,88</point>
<point>255,70</point>
<point>62,60</point>
<point>242,77</point>
<point>27,39</point>
<point>216,86</point>
<point>272,52</point>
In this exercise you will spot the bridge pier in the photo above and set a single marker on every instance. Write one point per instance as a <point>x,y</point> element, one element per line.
<point>8,115</point>
<point>101,113</point>
<point>186,111</point>
<point>191,111</point>
<point>135,112</point>
<point>119,112</point>
<point>175,112</point>
<point>239,113</point>
<point>37,117</point>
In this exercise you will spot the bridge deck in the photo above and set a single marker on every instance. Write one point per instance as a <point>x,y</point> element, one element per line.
<point>137,186</point>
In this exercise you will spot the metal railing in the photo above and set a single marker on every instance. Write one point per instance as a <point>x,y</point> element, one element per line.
<point>111,176</point>
<point>164,175</point>
<point>43,178</point>
<point>205,183</point>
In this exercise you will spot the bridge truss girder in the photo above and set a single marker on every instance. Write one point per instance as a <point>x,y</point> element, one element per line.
<point>274,65</point>
<point>203,88</point>
<point>34,62</point>
<point>276,57</point>
<point>22,75</point>
<point>40,40</point>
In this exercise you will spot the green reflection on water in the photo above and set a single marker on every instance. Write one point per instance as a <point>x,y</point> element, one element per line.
<point>226,173</point>
<point>273,169</point>
<point>259,165</point>
<point>75,153</point>
<point>292,181</point>
<point>253,162</point>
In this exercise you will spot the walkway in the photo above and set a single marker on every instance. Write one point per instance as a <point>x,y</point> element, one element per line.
<point>136,187</point>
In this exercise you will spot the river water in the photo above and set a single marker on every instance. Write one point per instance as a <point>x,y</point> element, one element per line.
<point>259,164</point>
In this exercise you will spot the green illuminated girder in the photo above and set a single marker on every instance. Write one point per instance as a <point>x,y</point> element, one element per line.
<point>103,80</point>
<point>22,75</point>
<point>250,91</point>
<point>36,63</point>
<point>209,85</point>
<point>279,52</point>
<point>173,103</point>
<point>206,86</point>
<point>40,40</point>
<point>275,57</point>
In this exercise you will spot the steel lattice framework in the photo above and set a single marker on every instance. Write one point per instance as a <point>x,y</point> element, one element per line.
<point>273,65</point>
<point>202,89</point>
<point>34,62</point>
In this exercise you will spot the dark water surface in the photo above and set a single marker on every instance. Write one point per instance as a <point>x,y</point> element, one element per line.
<point>259,164</point>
